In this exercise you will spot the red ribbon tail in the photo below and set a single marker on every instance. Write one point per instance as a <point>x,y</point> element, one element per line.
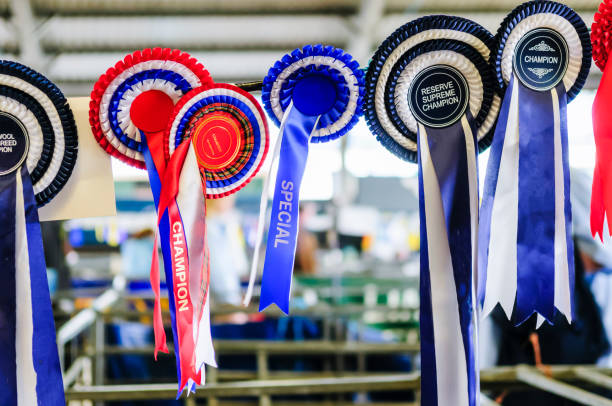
<point>158,323</point>
<point>597,205</point>
<point>170,183</point>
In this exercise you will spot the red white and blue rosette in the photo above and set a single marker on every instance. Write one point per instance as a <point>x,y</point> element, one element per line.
<point>130,109</point>
<point>169,71</point>
<point>526,256</point>
<point>229,132</point>
<point>387,111</point>
<point>601,197</point>
<point>215,143</point>
<point>38,151</point>
<point>315,95</point>
<point>431,98</point>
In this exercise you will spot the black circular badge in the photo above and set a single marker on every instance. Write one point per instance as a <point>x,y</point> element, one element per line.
<point>13,143</point>
<point>540,59</point>
<point>438,96</point>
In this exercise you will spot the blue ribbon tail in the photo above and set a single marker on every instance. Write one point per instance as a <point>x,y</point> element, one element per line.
<point>8,304</point>
<point>536,206</point>
<point>448,195</point>
<point>284,223</point>
<point>164,236</point>
<point>27,329</point>
<point>49,384</point>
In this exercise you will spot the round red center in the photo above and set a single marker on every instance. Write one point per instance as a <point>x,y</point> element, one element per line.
<point>151,111</point>
<point>217,141</point>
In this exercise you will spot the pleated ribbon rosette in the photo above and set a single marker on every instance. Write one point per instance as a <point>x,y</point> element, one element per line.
<point>131,106</point>
<point>315,95</point>
<point>526,255</point>
<point>38,151</point>
<point>430,98</point>
<point>215,142</point>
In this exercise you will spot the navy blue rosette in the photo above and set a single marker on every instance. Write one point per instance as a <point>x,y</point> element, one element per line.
<point>431,97</point>
<point>379,107</point>
<point>542,57</point>
<point>314,94</point>
<point>38,151</point>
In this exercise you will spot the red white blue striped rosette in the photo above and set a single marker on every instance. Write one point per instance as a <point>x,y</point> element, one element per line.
<point>169,71</point>
<point>131,106</point>
<point>315,95</point>
<point>430,97</point>
<point>542,57</point>
<point>38,151</point>
<point>229,133</point>
<point>216,142</point>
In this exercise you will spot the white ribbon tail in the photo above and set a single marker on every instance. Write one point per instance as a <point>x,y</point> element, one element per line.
<point>451,366</point>
<point>563,300</point>
<point>263,210</point>
<point>26,374</point>
<point>502,262</point>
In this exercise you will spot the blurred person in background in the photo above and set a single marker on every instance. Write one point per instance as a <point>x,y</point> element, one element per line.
<point>228,262</point>
<point>56,246</point>
<point>307,243</point>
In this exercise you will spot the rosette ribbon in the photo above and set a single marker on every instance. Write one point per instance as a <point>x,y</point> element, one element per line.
<point>601,197</point>
<point>38,150</point>
<point>216,142</point>
<point>430,93</point>
<point>315,95</point>
<point>131,106</point>
<point>526,253</point>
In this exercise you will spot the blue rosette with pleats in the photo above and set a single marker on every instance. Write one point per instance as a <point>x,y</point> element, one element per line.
<point>431,98</point>
<point>541,56</point>
<point>314,94</point>
<point>387,113</point>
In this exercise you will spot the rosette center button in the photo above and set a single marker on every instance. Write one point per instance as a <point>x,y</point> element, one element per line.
<point>217,141</point>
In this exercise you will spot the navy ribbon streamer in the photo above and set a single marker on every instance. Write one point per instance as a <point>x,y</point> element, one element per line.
<point>448,154</point>
<point>544,278</point>
<point>164,235</point>
<point>48,385</point>
<point>296,130</point>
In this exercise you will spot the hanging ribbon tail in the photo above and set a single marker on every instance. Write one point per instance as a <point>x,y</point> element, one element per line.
<point>155,181</point>
<point>448,195</point>
<point>500,181</point>
<point>152,157</point>
<point>158,323</point>
<point>284,222</point>
<point>526,248</point>
<point>598,212</point>
<point>541,221</point>
<point>186,211</point>
<point>601,199</point>
<point>263,210</point>
<point>192,207</point>
<point>27,330</point>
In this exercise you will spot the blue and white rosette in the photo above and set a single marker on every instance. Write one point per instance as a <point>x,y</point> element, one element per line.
<point>397,130</point>
<point>315,95</point>
<point>38,151</point>
<point>430,96</point>
<point>526,254</point>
